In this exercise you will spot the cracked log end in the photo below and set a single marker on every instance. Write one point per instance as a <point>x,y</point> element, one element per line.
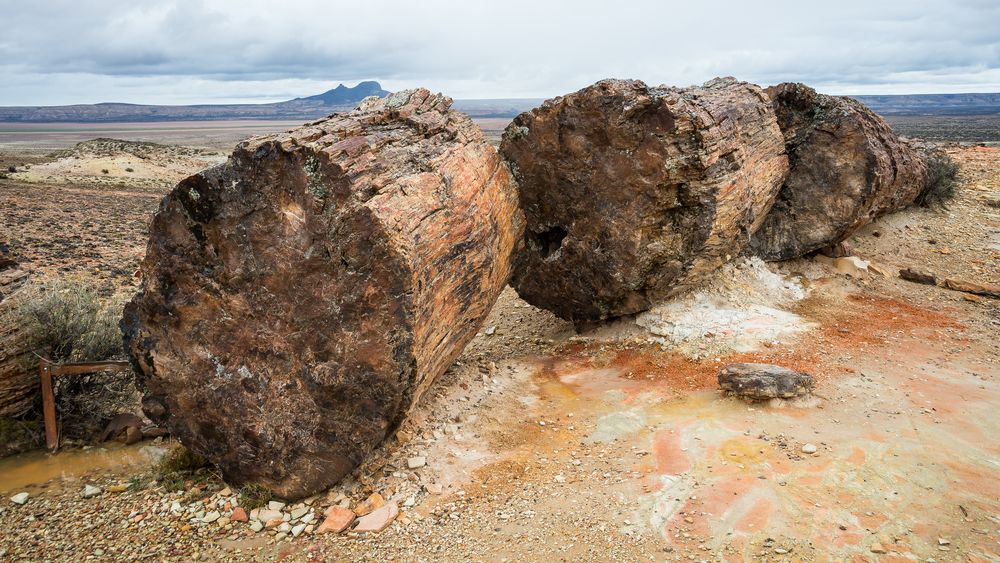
<point>297,300</point>
<point>633,193</point>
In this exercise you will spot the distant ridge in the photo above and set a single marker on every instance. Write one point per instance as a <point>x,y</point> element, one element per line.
<point>933,104</point>
<point>340,98</point>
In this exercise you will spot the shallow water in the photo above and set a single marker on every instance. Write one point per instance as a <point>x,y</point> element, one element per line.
<point>37,467</point>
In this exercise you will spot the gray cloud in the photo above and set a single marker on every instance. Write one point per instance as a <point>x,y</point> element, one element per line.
<point>184,51</point>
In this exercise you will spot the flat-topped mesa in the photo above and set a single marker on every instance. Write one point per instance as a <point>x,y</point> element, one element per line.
<point>297,300</point>
<point>847,168</point>
<point>632,193</point>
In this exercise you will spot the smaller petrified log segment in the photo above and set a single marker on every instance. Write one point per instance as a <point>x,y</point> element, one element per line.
<point>847,168</point>
<point>632,193</point>
<point>18,377</point>
<point>760,382</point>
<point>298,299</point>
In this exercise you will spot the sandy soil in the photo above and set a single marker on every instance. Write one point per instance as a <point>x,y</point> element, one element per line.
<point>551,445</point>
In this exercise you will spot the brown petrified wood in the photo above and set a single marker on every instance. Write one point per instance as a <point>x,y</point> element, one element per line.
<point>298,299</point>
<point>847,168</point>
<point>18,377</point>
<point>632,193</point>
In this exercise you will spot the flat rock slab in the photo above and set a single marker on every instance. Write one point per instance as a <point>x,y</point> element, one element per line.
<point>760,382</point>
<point>985,289</point>
<point>337,520</point>
<point>379,519</point>
<point>297,300</point>
<point>633,193</point>
<point>918,276</point>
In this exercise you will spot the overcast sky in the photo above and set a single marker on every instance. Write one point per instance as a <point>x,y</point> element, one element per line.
<point>200,51</point>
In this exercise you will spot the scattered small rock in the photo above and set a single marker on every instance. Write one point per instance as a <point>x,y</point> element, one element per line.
<point>239,515</point>
<point>90,491</point>
<point>265,514</point>
<point>211,517</point>
<point>809,448</point>
<point>416,462</point>
<point>850,265</point>
<point>373,502</point>
<point>19,498</point>
<point>877,548</point>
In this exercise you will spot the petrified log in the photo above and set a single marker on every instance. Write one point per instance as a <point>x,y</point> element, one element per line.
<point>632,193</point>
<point>847,168</point>
<point>18,380</point>
<point>298,299</point>
<point>759,382</point>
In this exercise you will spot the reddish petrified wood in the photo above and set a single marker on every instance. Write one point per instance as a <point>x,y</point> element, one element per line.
<point>298,299</point>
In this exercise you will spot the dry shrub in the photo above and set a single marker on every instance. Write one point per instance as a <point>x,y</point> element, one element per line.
<point>942,179</point>
<point>69,321</point>
<point>179,467</point>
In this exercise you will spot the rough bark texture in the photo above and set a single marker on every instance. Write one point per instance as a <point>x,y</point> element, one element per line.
<point>760,382</point>
<point>847,168</point>
<point>632,193</point>
<point>18,382</point>
<point>299,298</point>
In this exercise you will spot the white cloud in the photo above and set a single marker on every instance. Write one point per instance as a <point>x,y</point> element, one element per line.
<point>186,51</point>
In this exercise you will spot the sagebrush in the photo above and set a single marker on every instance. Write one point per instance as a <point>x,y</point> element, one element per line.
<point>71,321</point>
<point>942,179</point>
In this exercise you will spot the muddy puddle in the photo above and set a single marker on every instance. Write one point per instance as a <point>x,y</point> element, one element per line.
<point>38,467</point>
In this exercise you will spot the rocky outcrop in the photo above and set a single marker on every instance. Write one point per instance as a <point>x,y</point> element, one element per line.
<point>631,193</point>
<point>297,300</point>
<point>18,380</point>
<point>759,382</point>
<point>847,168</point>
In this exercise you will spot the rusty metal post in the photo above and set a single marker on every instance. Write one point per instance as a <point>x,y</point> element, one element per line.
<point>46,371</point>
<point>48,405</point>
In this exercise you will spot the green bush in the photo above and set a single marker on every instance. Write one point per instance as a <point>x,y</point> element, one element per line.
<point>942,179</point>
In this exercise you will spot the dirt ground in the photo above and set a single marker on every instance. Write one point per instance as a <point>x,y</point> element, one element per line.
<point>545,444</point>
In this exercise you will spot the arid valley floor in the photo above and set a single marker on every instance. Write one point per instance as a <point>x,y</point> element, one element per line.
<point>544,444</point>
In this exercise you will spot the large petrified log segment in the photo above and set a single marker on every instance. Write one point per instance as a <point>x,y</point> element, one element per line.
<point>847,168</point>
<point>18,381</point>
<point>631,193</point>
<point>299,298</point>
